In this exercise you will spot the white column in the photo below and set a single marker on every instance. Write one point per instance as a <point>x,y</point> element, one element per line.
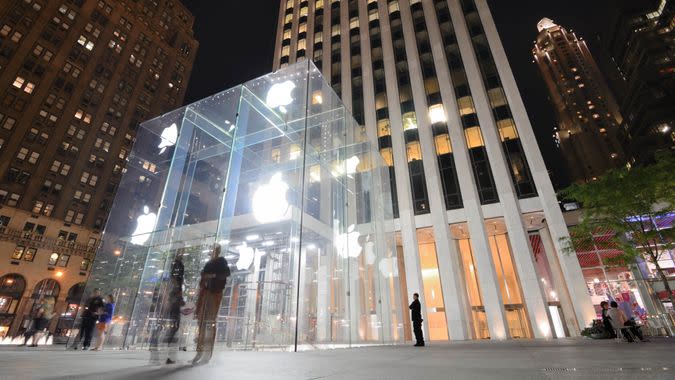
<point>487,276</point>
<point>559,283</point>
<point>280,34</point>
<point>449,268</point>
<point>411,256</point>
<point>571,269</point>
<point>520,247</point>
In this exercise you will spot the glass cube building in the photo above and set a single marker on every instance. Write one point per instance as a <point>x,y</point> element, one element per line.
<point>279,174</point>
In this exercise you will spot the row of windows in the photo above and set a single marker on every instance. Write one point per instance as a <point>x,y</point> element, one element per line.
<point>55,259</point>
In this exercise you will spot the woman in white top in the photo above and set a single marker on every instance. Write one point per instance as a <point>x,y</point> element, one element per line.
<point>616,316</point>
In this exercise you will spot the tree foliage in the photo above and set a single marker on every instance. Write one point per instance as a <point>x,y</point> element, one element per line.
<point>624,205</point>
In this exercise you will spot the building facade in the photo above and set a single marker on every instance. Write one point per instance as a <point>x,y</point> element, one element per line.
<point>478,223</point>
<point>76,78</point>
<point>588,133</point>
<point>638,37</point>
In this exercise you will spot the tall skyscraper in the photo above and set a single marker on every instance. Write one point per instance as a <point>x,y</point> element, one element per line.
<point>76,78</point>
<point>588,116</point>
<point>478,222</point>
<point>638,37</point>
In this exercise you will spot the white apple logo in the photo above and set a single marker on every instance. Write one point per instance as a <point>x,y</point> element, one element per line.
<point>279,95</point>
<point>144,225</point>
<point>269,200</point>
<point>348,167</point>
<point>388,267</point>
<point>347,244</point>
<point>169,137</point>
<point>246,256</point>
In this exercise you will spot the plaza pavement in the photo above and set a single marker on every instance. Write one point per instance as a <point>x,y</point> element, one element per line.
<point>557,359</point>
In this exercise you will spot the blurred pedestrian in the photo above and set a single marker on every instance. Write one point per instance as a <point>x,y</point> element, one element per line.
<point>169,312</point>
<point>104,321</point>
<point>92,309</point>
<point>213,279</point>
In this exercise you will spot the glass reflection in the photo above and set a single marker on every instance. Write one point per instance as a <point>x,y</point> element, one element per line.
<point>276,173</point>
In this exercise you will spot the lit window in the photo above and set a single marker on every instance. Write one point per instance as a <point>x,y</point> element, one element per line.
<point>383,128</point>
<point>465,105</point>
<point>507,129</point>
<point>387,156</point>
<point>22,154</point>
<point>437,114</point>
<point>443,145</point>
<point>4,31</point>
<point>474,138</point>
<point>409,121</point>
<point>37,207</point>
<point>413,151</point>
<point>18,82</point>
<point>294,152</point>
<point>34,157</point>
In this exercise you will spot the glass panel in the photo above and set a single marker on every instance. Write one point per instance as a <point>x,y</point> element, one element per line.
<point>509,286</point>
<point>433,294</point>
<point>479,318</point>
<point>277,174</point>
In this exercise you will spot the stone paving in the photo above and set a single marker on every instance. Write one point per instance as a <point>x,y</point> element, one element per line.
<point>559,359</point>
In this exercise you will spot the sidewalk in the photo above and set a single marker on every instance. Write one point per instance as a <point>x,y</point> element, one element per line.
<point>559,359</point>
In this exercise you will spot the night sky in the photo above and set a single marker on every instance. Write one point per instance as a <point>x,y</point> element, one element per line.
<point>237,43</point>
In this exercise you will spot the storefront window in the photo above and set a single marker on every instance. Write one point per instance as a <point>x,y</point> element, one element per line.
<point>433,294</point>
<point>479,319</point>
<point>509,286</point>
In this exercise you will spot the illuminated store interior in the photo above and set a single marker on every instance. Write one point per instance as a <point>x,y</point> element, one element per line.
<point>278,173</point>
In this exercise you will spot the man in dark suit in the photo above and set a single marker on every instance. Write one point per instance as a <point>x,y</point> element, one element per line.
<point>416,316</point>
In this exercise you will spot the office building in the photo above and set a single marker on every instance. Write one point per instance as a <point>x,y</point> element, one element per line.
<point>638,37</point>
<point>76,78</point>
<point>589,120</point>
<point>478,224</point>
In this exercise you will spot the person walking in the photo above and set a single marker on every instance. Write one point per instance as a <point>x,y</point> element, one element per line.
<point>92,310</point>
<point>104,321</point>
<point>47,313</point>
<point>211,285</point>
<point>416,316</point>
<point>169,312</point>
<point>43,311</point>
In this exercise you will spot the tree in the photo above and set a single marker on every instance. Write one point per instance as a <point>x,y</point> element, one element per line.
<point>627,202</point>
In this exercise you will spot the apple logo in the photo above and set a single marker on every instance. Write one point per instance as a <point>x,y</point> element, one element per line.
<point>169,137</point>
<point>246,256</point>
<point>279,95</point>
<point>269,201</point>
<point>388,267</point>
<point>144,225</point>
<point>348,167</point>
<point>348,244</point>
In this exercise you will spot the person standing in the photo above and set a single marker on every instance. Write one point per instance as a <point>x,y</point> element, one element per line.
<point>606,320</point>
<point>104,321</point>
<point>416,316</point>
<point>211,285</point>
<point>90,315</point>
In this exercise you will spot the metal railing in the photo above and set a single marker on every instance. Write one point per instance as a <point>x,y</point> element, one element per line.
<point>36,240</point>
